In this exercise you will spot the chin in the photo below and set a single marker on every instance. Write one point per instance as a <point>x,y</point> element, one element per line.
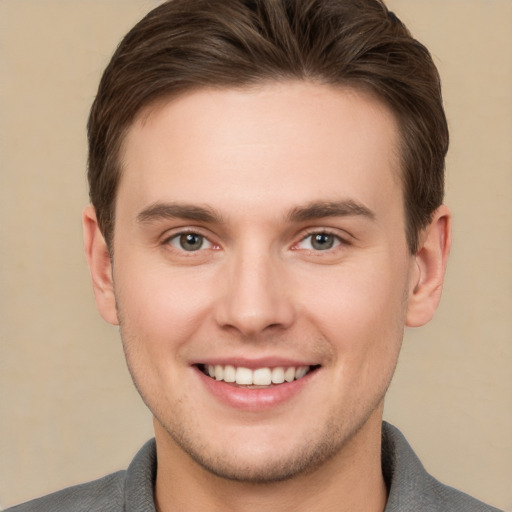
<point>268,460</point>
<point>264,470</point>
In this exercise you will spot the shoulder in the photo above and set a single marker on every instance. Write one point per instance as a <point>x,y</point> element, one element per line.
<point>105,494</point>
<point>411,488</point>
<point>129,490</point>
<point>452,499</point>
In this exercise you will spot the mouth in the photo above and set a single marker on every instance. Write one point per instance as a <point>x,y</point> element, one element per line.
<point>257,378</point>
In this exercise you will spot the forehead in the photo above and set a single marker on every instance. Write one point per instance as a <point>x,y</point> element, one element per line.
<point>273,139</point>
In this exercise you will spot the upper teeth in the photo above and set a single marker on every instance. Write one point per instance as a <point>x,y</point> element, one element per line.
<point>258,377</point>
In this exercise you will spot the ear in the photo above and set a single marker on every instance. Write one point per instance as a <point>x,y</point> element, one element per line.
<point>100,266</point>
<point>430,265</point>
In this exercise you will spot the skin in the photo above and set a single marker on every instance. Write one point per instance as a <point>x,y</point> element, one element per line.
<point>257,290</point>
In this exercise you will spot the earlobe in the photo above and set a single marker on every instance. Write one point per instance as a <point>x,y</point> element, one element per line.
<point>430,265</point>
<point>100,266</point>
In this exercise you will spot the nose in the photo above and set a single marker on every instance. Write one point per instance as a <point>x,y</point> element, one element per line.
<point>254,297</point>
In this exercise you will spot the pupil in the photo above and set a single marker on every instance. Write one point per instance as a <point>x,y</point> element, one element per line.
<point>191,242</point>
<point>323,241</point>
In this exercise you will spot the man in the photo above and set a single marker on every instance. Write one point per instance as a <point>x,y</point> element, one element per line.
<point>266,182</point>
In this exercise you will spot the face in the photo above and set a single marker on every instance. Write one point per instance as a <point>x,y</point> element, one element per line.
<point>260,239</point>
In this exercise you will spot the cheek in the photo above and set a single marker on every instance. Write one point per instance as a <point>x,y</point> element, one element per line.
<point>360,310</point>
<point>363,323</point>
<point>159,314</point>
<point>354,292</point>
<point>160,306</point>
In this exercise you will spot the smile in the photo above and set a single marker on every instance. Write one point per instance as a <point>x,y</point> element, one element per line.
<point>258,377</point>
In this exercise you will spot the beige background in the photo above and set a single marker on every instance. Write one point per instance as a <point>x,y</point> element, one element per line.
<point>68,410</point>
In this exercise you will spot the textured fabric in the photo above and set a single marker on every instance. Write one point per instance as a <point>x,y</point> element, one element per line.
<point>411,488</point>
<point>125,491</point>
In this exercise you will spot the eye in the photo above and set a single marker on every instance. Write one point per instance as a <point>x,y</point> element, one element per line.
<point>190,242</point>
<point>319,242</point>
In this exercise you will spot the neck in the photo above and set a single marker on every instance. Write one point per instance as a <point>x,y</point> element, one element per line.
<point>350,481</point>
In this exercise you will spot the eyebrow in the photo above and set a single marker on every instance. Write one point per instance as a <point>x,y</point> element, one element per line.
<point>162,211</point>
<point>320,209</point>
<point>314,210</point>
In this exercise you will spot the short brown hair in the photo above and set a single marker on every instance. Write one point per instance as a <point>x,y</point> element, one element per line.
<point>185,44</point>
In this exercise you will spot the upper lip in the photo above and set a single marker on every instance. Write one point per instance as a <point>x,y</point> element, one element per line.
<point>263,362</point>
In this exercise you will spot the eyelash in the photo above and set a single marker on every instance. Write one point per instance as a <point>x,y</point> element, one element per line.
<point>337,241</point>
<point>177,236</point>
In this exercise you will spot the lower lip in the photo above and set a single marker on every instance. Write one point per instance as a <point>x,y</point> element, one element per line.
<point>254,400</point>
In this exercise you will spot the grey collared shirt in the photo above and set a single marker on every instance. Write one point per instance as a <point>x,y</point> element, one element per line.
<point>411,488</point>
